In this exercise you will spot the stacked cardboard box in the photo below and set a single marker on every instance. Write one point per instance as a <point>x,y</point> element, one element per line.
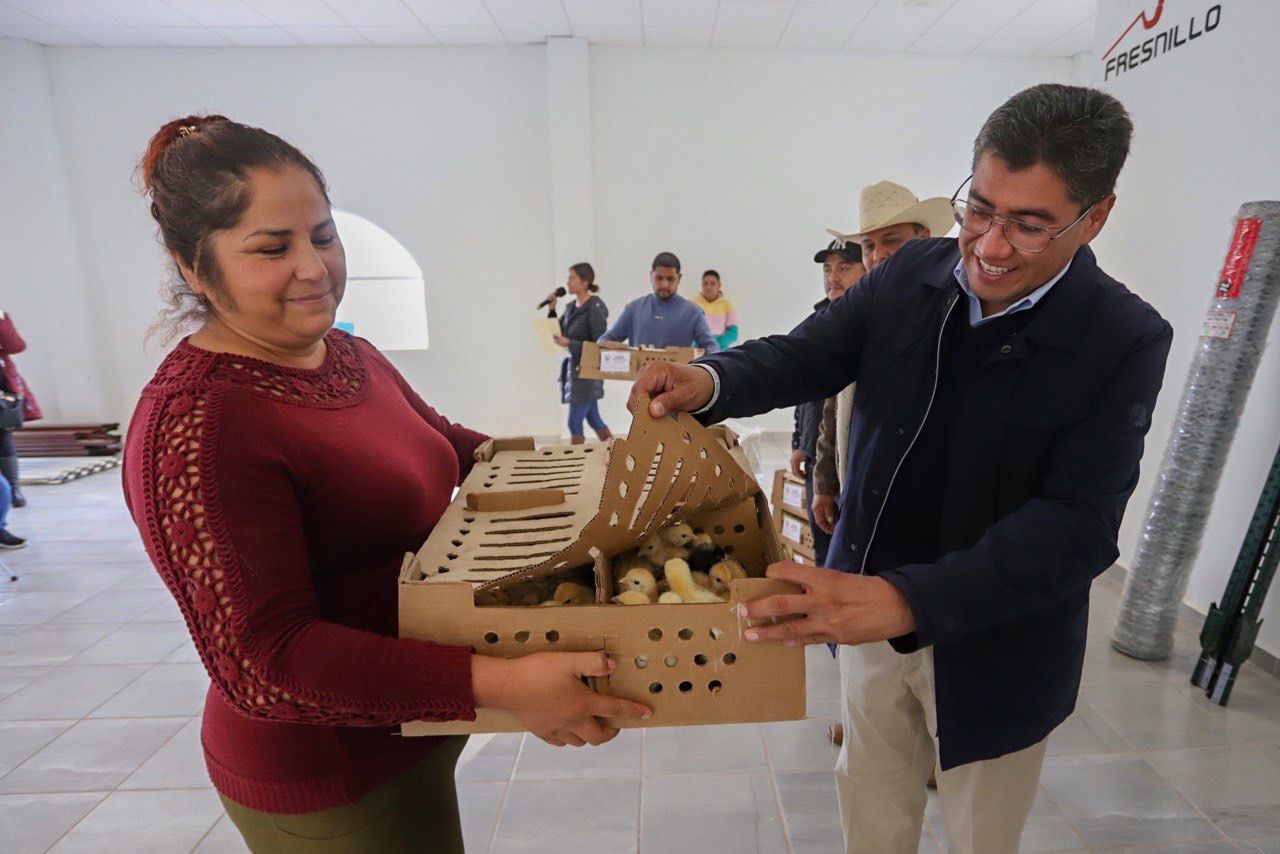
<point>67,440</point>
<point>790,518</point>
<point>611,360</point>
<point>526,513</point>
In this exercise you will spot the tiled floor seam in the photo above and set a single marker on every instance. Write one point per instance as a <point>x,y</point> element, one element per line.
<point>506,793</point>
<point>63,835</point>
<point>777,794</point>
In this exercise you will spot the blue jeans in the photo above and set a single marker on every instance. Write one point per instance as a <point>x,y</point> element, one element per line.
<point>6,500</point>
<point>590,411</point>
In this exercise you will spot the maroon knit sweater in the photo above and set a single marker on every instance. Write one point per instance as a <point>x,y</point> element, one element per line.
<point>277,504</point>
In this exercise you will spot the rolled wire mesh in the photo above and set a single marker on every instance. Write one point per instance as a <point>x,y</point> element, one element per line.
<point>1213,399</point>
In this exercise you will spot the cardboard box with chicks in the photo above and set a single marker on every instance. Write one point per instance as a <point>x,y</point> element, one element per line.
<point>641,548</point>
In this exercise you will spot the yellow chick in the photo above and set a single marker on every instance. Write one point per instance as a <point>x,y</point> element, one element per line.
<point>670,598</point>
<point>678,535</point>
<point>641,581</point>
<point>701,579</point>
<point>658,553</point>
<point>724,572</point>
<point>571,593</point>
<point>631,597</point>
<point>627,562</point>
<point>702,539</point>
<point>681,579</point>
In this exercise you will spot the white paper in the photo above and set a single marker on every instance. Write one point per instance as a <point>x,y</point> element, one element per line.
<point>615,362</point>
<point>791,529</point>
<point>1218,324</point>
<point>793,494</point>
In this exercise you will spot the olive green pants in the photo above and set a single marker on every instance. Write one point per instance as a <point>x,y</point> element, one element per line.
<point>416,812</point>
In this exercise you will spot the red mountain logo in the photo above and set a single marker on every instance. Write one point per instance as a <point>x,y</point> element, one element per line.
<point>1176,36</point>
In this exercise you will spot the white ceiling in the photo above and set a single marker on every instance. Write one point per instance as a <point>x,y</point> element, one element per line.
<point>991,27</point>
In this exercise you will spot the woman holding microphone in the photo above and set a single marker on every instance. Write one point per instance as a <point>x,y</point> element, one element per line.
<point>585,319</point>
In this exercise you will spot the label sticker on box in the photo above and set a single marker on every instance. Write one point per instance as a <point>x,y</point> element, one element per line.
<point>615,362</point>
<point>1218,324</point>
<point>793,494</point>
<point>791,528</point>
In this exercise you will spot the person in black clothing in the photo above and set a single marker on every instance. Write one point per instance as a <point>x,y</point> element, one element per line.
<point>841,268</point>
<point>1005,385</point>
<point>585,319</point>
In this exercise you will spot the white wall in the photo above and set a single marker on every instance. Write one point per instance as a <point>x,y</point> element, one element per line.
<point>1207,123</point>
<point>733,159</point>
<point>41,281</point>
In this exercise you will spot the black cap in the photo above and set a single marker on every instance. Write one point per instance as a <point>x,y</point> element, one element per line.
<point>849,252</point>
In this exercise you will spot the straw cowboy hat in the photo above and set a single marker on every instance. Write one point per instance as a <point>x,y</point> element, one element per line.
<point>884,204</point>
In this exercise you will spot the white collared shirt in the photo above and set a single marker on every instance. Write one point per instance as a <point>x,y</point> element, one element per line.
<point>1029,301</point>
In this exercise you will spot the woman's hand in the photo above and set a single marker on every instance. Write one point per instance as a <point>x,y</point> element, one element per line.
<point>545,692</point>
<point>561,340</point>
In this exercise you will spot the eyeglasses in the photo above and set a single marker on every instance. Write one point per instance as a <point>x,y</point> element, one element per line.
<point>1023,236</point>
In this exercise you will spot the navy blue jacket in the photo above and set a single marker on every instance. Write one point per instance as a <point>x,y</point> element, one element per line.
<point>1044,458</point>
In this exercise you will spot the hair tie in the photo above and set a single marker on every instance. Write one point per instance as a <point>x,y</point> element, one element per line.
<point>187,130</point>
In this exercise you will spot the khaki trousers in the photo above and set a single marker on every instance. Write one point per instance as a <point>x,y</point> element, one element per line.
<point>890,747</point>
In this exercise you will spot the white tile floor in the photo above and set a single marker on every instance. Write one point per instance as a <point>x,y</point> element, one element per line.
<point>100,694</point>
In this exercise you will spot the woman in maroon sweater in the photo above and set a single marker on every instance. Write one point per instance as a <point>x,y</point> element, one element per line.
<point>278,470</point>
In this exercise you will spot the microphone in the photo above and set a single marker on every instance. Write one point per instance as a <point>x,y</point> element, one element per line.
<point>558,292</point>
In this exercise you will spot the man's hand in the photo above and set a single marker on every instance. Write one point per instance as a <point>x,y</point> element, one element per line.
<point>824,512</point>
<point>835,607</point>
<point>672,388</point>
<point>797,462</point>
<point>561,340</point>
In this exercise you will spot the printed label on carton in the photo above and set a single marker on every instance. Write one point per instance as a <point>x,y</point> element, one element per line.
<point>1218,324</point>
<point>615,362</point>
<point>791,528</point>
<point>793,494</point>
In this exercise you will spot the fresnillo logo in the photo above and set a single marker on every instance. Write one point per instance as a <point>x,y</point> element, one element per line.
<point>1161,43</point>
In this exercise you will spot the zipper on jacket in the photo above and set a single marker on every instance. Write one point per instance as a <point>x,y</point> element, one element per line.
<point>937,371</point>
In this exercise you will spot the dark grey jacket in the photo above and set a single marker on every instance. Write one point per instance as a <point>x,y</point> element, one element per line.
<point>809,417</point>
<point>581,323</point>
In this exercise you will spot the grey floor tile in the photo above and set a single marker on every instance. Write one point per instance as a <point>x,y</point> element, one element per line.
<point>145,821</point>
<point>20,740</point>
<point>1085,732</point>
<point>51,644</point>
<point>494,762</point>
<point>184,654</point>
<point>479,804</point>
<point>14,678</point>
<point>1251,711</point>
<point>799,746</point>
<point>164,690</point>
<point>617,758</point>
<point>1156,717</point>
<point>178,764</point>
<point>32,609</point>
<point>1267,846</point>
<point>726,749</point>
<point>91,756</point>
<point>581,816</point>
<point>1047,829</point>
<point>31,823</point>
<point>1236,787</point>
<point>711,815</point>
<point>165,612</point>
<point>134,643</point>
<point>223,838</point>
<point>112,606</point>
<point>68,691</point>
<point>1116,800</point>
<point>1181,848</point>
<point>812,812</point>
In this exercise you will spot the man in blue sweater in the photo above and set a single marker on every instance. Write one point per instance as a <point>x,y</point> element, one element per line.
<point>663,318</point>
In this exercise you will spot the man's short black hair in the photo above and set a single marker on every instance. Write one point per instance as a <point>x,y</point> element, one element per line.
<point>666,259</point>
<point>1081,134</point>
<point>712,273</point>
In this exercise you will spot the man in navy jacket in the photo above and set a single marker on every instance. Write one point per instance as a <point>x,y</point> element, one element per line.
<point>1004,389</point>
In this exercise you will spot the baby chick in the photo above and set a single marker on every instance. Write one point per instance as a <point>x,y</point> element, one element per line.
<point>724,572</point>
<point>678,535</point>
<point>670,598</point>
<point>571,593</point>
<point>703,556</point>
<point>682,583</point>
<point>658,553</point>
<point>640,581</point>
<point>627,562</point>
<point>702,539</point>
<point>631,597</point>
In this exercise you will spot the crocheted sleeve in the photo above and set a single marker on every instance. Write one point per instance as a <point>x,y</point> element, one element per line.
<point>223,525</point>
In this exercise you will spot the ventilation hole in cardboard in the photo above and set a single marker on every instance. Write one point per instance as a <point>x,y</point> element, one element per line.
<point>733,484</point>
<point>718,470</point>
<point>655,687</point>
<point>510,557</point>
<point>716,634</point>
<point>451,556</point>
<point>493,477</point>
<point>587,450</point>
<point>687,438</point>
<point>686,634</point>
<point>671,661</point>
<point>699,530</point>
<point>655,635</point>
<point>513,544</point>
<point>686,687</point>
<point>443,569</point>
<point>522,637</point>
<point>702,453</point>
<point>630,462</point>
<point>714,686</point>
<point>718,530</point>
<point>464,531</point>
<point>739,529</point>
<point>700,660</point>
<point>546,453</point>
<point>622,489</point>
<point>486,485</point>
<point>642,661</point>
<point>541,530</point>
<point>613,519</point>
<point>729,658</point>
<point>728,549</point>
<point>533,516</point>
<point>553,636</point>
<point>490,637</point>
<point>456,542</point>
<point>468,519</point>
<point>567,451</point>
